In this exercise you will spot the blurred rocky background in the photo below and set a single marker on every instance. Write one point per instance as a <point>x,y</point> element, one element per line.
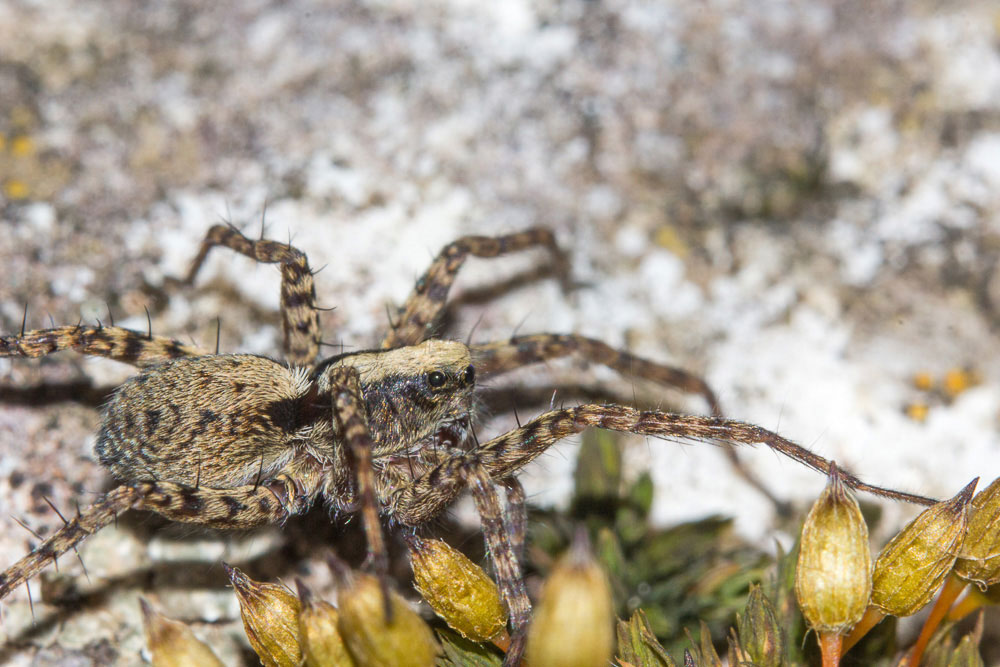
<point>798,200</point>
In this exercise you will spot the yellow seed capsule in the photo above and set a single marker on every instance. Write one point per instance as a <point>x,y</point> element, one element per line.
<point>573,625</point>
<point>172,643</point>
<point>270,618</point>
<point>979,562</point>
<point>322,645</point>
<point>833,580</point>
<point>407,641</point>
<point>913,565</point>
<point>458,590</point>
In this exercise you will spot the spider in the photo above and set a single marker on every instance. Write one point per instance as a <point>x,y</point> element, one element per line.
<point>238,440</point>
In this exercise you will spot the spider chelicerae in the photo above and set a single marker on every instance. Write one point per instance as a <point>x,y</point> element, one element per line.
<point>239,440</point>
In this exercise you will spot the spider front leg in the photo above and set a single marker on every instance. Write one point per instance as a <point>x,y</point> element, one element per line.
<point>125,345</point>
<point>352,425</point>
<point>516,515</point>
<point>504,455</point>
<point>508,355</point>
<point>299,315</point>
<point>502,544</point>
<point>416,318</point>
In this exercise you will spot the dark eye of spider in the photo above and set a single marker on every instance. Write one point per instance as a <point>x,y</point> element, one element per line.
<point>470,375</point>
<point>435,379</point>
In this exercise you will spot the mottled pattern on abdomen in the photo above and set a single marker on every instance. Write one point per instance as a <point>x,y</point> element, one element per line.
<point>206,420</point>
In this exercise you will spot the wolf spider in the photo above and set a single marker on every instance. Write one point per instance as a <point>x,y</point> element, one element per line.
<point>238,440</point>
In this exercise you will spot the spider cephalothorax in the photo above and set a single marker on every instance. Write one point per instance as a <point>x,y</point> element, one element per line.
<point>235,440</point>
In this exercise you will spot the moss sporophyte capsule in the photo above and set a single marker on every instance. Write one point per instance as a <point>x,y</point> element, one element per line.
<point>271,619</point>
<point>172,644</point>
<point>458,590</point>
<point>911,568</point>
<point>573,625</point>
<point>833,581</point>
<point>979,560</point>
<point>319,633</point>
<point>405,640</point>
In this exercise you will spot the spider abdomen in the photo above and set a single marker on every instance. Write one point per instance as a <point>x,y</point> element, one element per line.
<point>214,420</point>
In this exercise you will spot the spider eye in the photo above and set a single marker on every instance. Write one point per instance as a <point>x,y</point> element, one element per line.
<point>470,375</point>
<point>435,379</point>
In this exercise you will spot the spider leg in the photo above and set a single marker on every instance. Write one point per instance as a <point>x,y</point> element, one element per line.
<point>131,347</point>
<point>507,355</point>
<point>500,544</point>
<point>85,524</point>
<point>516,515</point>
<point>349,413</point>
<point>241,507</point>
<point>426,496</point>
<point>299,315</point>
<point>504,356</point>
<point>417,316</point>
<point>504,455</point>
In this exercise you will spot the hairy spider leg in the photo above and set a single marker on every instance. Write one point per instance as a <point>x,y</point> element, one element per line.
<point>516,515</point>
<point>416,318</point>
<point>299,314</point>
<point>499,536</point>
<point>418,501</point>
<point>506,454</point>
<point>125,345</point>
<point>349,414</point>
<point>508,355</point>
<point>241,507</point>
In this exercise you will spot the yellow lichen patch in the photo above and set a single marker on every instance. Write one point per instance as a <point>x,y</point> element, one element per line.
<point>958,380</point>
<point>668,238</point>
<point>15,189</point>
<point>923,381</point>
<point>22,146</point>
<point>917,411</point>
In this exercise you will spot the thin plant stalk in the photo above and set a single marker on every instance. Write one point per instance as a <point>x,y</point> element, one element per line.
<point>952,588</point>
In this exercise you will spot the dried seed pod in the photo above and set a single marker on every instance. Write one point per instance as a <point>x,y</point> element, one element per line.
<point>322,645</point>
<point>979,562</point>
<point>405,641</point>
<point>574,622</point>
<point>913,565</point>
<point>271,619</point>
<point>759,632</point>
<point>458,590</point>
<point>172,643</point>
<point>833,580</point>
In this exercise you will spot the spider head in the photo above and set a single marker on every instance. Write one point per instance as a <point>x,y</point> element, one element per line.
<point>416,396</point>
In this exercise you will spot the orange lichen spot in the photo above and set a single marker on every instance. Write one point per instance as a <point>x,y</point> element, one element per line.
<point>958,380</point>
<point>923,381</point>
<point>22,146</point>
<point>917,411</point>
<point>15,189</point>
